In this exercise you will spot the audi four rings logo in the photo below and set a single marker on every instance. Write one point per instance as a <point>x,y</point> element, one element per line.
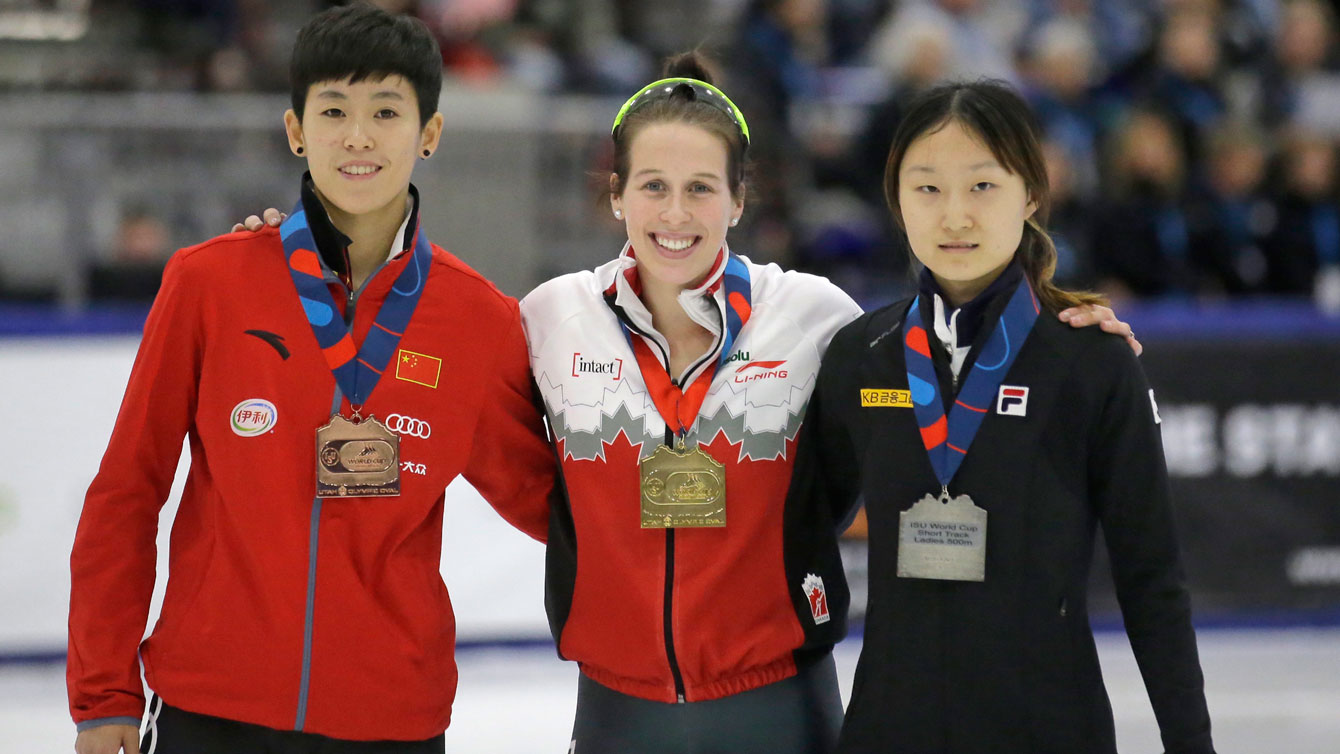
<point>408,425</point>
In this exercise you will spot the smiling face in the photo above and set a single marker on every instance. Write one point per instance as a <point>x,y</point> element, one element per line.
<point>361,141</point>
<point>964,213</point>
<point>676,202</point>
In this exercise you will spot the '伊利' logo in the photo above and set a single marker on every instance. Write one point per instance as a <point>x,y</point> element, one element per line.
<point>253,416</point>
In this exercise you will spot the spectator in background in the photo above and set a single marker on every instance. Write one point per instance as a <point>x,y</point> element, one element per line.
<point>981,35</point>
<point>1185,81</point>
<point>1071,215</point>
<point>1306,239</point>
<point>1120,30</point>
<point>1301,84</point>
<point>208,45</point>
<point>1058,73</point>
<point>925,61</point>
<point>581,42</point>
<point>134,268</point>
<point>775,61</point>
<point>1237,213</point>
<point>1142,237</point>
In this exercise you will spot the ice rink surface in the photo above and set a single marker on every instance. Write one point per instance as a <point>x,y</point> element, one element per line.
<point>1270,692</point>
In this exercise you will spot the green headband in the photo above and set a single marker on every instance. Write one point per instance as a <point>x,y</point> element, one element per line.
<point>665,87</point>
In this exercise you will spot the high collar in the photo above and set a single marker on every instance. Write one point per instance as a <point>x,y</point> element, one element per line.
<point>332,244</point>
<point>705,303</point>
<point>971,315</point>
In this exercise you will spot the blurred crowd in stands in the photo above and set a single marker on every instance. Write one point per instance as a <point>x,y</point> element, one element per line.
<point>1191,143</point>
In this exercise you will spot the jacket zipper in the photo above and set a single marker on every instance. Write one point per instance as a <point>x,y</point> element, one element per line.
<point>669,601</point>
<point>351,309</point>
<point>304,687</point>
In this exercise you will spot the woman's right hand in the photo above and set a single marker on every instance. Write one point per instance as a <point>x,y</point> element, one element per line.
<point>273,218</point>
<point>108,739</point>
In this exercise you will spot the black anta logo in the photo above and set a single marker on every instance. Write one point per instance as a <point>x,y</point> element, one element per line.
<point>275,340</point>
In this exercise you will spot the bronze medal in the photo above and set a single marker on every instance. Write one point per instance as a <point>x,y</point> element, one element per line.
<point>357,459</point>
<point>942,539</point>
<point>682,489</point>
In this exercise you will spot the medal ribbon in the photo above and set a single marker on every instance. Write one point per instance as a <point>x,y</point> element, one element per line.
<point>679,407</point>
<point>356,369</point>
<point>947,440</point>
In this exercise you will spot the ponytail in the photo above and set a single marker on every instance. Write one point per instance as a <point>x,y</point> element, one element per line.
<point>1037,255</point>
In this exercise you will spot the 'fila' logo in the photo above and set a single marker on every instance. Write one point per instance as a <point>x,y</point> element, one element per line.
<point>1012,401</point>
<point>886,398</point>
<point>813,587</point>
<point>580,366</point>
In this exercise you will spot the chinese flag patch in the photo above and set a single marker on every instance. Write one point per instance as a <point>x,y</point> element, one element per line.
<point>417,368</point>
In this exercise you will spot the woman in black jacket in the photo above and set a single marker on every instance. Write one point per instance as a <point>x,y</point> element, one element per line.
<point>988,441</point>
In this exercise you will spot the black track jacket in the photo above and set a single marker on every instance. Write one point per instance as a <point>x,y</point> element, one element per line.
<point>1009,664</point>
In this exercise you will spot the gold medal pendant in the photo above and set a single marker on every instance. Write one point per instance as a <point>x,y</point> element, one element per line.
<point>942,539</point>
<point>682,489</point>
<point>357,459</point>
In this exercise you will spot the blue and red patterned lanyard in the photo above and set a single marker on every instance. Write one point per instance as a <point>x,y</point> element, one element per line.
<point>947,439</point>
<point>356,369</point>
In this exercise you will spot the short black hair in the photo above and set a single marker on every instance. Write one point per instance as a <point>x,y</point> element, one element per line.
<point>359,41</point>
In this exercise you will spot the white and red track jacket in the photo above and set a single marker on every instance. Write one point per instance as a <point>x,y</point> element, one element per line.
<point>688,614</point>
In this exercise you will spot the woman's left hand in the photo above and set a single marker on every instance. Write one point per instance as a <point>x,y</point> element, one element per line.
<point>1105,318</point>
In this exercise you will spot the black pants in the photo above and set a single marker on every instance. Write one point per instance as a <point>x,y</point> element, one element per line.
<point>176,731</point>
<point>798,715</point>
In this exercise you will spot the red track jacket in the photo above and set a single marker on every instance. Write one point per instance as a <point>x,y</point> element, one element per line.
<point>328,617</point>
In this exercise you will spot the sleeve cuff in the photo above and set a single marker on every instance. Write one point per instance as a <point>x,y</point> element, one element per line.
<point>101,721</point>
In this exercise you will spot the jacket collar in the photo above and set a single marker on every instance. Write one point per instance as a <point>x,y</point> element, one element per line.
<point>967,320</point>
<point>704,303</point>
<point>331,244</point>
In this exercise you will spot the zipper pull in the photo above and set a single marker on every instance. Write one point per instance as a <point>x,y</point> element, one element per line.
<point>679,698</point>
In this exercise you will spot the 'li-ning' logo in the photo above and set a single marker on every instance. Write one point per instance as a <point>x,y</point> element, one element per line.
<point>813,587</point>
<point>612,368</point>
<point>759,370</point>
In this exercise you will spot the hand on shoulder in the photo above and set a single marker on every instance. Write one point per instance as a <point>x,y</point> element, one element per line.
<point>272,217</point>
<point>1105,318</point>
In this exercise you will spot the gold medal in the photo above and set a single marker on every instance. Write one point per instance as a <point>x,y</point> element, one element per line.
<point>682,489</point>
<point>942,539</point>
<point>357,459</point>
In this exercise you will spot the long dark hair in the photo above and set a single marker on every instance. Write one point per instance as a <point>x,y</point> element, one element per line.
<point>993,112</point>
<point>683,109</point>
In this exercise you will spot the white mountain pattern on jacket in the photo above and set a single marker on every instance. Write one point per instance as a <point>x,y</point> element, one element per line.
<point>761,430</point>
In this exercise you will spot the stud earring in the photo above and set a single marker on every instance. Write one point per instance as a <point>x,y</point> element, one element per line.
<point>618,214</point>
<point>427,153</point>
<point>734,221</point>
<point>299,150</point>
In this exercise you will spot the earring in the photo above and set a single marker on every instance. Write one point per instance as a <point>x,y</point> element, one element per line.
<point>427,153</point>
<point>734,221</point>
<point>618,214</point>
<point>299,150</point>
